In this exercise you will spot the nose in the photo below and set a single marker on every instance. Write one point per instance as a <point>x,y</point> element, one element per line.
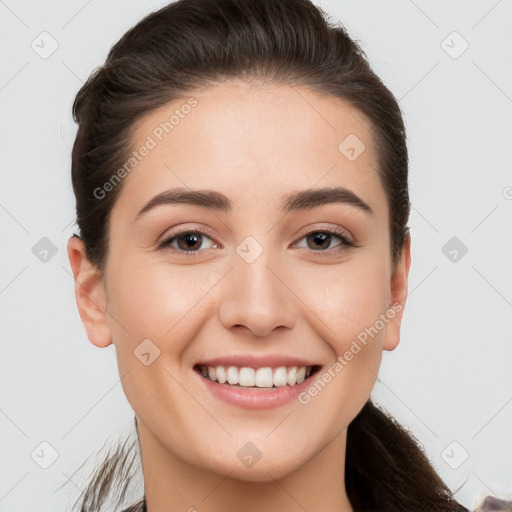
<point>257,297</point>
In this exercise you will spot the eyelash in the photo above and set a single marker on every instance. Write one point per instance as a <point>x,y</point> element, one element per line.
<point>166,244</point>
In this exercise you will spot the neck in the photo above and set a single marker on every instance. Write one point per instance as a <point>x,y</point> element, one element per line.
<point>173,485</point>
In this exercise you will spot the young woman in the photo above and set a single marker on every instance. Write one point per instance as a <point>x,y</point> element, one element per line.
<point>242,198</point>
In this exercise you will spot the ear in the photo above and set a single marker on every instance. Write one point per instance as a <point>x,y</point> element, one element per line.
<point>90,294</point>
<point>398,296</point>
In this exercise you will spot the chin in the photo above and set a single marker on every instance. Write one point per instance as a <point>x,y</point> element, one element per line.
<point>252,465</point>
<point>268,471</point>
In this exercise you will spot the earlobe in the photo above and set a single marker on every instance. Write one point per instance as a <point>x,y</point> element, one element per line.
<point>90,294</point>
<point>398,297</point>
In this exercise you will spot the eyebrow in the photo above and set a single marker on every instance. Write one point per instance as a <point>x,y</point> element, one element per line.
<point>301,200</point>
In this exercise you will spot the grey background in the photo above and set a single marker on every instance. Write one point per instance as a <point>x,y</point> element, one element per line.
<point>449,379</point>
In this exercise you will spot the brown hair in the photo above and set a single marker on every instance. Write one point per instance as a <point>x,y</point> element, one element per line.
<point>192,44</point>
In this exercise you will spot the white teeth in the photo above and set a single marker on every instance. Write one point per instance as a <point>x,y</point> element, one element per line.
<point>260,377</point>
<point>301,374</point>
<point>280,376</point>
<point>292,376</point>
<point>220,373</point>
<point>263,378</point>
<point>233,375</point>
<point>246,377</point>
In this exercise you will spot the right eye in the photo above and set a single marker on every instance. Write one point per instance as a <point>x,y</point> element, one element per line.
<point>187,241</point>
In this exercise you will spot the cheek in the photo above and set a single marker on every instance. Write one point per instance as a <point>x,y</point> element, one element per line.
<point>348,299</point>
<point>164,304</point>
<point>156,301</point>
<point>346,305</point>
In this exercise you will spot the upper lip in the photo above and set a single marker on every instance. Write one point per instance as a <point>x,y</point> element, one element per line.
<point>254,361</point>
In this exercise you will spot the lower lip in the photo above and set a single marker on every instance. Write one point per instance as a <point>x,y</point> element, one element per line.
<point>259,398</point>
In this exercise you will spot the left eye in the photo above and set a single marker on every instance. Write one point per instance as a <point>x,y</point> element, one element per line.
<point>324,238</point>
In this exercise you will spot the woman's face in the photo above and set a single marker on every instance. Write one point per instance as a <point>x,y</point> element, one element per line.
<point>279,275</point>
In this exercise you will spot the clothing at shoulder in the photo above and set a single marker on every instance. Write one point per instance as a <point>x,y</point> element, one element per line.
<point>492,504</point>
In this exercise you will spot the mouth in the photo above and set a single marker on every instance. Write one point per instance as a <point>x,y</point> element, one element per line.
<point>257,378</point>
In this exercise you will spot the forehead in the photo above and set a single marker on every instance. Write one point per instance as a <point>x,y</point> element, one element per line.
<point>250,139</point>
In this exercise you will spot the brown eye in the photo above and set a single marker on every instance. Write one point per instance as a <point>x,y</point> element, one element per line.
<point>319,240</point>
<point>323,240</point>
<point>187,241</point>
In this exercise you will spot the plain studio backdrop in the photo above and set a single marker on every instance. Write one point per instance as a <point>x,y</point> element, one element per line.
<point>448,64</point>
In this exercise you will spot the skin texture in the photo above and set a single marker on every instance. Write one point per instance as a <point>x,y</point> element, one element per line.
<point>256,145</point>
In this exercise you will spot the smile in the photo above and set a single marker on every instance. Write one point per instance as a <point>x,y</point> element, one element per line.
<point>248,377</point>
